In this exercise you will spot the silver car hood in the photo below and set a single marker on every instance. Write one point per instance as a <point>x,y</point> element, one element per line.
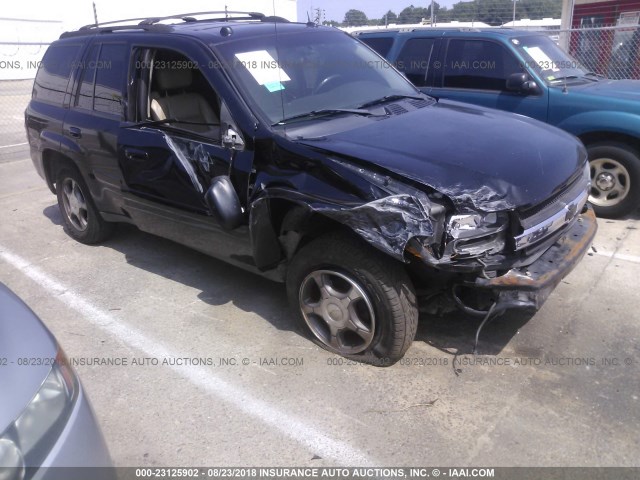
<point>22,337</point>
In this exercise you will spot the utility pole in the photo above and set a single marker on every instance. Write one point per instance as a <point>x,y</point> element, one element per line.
<point>95,13</point>
<point>319,16</point>
<point>514,13</point>
<point>432,13</point>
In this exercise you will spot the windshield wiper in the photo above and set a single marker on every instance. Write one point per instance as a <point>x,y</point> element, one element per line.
<point>153,123</point>
<point>594,74</point>
<point>389,98</point>
<point>322,113</point>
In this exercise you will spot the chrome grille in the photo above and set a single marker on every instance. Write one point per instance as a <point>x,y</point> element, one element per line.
<point>544,220</point>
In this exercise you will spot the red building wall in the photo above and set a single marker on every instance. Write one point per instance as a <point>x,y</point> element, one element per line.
<point>613,52</point>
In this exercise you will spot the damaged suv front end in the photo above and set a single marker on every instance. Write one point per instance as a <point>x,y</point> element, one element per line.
<point>485,210</point>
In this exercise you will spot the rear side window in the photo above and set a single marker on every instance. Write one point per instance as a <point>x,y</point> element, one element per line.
<point>110,74</point>
<point>414,59</point>
<point>478,65</point>
<point>382,45</point>
<point>53,75</point>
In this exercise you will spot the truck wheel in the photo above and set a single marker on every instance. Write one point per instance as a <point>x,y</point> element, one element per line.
<point>615,179</point>
<point>352,299</point>
<point>81,218</point>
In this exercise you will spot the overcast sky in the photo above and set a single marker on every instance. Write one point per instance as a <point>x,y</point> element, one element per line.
<point>335,9</point>
<point>80,12</point>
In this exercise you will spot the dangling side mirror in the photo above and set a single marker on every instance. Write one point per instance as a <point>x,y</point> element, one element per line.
<point>232,139</point>
<point>223,202</point>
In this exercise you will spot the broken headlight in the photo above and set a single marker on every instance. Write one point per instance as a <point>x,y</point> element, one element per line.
<point>475,234</point>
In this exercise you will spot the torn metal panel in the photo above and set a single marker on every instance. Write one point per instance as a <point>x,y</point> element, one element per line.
<point>385,212</point>
<point>388,223</point>
<point>181,154</point>
<point>485,198</point>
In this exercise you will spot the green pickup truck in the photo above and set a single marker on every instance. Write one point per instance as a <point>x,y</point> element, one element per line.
<point>527,73</point>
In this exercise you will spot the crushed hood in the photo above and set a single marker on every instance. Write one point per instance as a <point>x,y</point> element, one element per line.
<point>480,158</point>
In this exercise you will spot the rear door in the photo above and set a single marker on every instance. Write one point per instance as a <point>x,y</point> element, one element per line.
<point>91,126</point>
<point>475,70</point>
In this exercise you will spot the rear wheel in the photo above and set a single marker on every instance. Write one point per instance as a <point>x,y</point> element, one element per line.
<point>615,179</point>
<point>352,299</point>
<point>81,218</point>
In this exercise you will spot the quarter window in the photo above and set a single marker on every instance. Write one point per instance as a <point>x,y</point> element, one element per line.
<point>382,45</point>
<point>53,75</point>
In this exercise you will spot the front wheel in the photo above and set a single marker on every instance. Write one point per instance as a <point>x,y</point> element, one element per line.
<point>352,299</point>
<point>615,179</point>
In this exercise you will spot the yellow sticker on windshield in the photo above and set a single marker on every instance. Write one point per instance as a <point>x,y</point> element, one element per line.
<point>263,67</point>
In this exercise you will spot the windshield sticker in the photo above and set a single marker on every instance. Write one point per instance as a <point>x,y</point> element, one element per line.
<point>274,86</point>
<point>263,67</point>
<point>541,58</point>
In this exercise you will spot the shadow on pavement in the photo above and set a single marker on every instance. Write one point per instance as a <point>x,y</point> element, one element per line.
<point>220,283</point>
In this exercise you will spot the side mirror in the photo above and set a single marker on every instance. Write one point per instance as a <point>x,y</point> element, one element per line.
<point>223,202</point>
<point>519,82</point>
<point>232,139</point>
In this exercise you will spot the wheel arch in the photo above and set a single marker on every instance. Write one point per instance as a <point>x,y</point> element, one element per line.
<point>280,227</point>
<point>609,137</point>
<point>52,162</point>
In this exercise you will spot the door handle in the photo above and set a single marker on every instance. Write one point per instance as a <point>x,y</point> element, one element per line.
<point>135,154</point>
<point>75,132</point>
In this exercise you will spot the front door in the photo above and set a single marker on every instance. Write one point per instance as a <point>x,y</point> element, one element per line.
<point>172,149</point>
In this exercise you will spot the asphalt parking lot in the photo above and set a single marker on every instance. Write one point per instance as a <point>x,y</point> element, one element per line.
<point>207,367</point>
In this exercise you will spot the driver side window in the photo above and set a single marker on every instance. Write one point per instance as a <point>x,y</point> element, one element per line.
<point>172,87</point>
<point>478,65</point>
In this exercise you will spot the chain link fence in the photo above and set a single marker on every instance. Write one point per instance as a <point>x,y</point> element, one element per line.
<point>19,63</point>
<point>14,96</point>
<point>613,52</point>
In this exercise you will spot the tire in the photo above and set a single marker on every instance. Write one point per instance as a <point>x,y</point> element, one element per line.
<point>363,288</point>
<point>80,215</point>
<point>615,179</point>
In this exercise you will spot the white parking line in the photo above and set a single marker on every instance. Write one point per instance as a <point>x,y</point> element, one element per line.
<point>314,439</point>
<point>619,256</point>
<point>14,145</point>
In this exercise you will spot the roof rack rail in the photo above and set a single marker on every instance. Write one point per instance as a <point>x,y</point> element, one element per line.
<point>111,22</point>
<point>91,31</point>
<point>152,24</point>
<point>188,17</point>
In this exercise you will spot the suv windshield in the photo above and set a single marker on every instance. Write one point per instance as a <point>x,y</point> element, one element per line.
<point>554,64</point>
<point>292,74</point>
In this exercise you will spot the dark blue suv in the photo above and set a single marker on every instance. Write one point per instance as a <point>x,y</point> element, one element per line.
<point>295,152</point>
<point>527,73</point>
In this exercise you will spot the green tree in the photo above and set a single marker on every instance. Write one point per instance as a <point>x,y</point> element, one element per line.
<point>412,14</point>
<point>498,12</point>
<point>355,18</point>
<point>390,17</point>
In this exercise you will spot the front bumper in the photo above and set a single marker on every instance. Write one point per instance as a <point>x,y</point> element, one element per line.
<point>529,287</point>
